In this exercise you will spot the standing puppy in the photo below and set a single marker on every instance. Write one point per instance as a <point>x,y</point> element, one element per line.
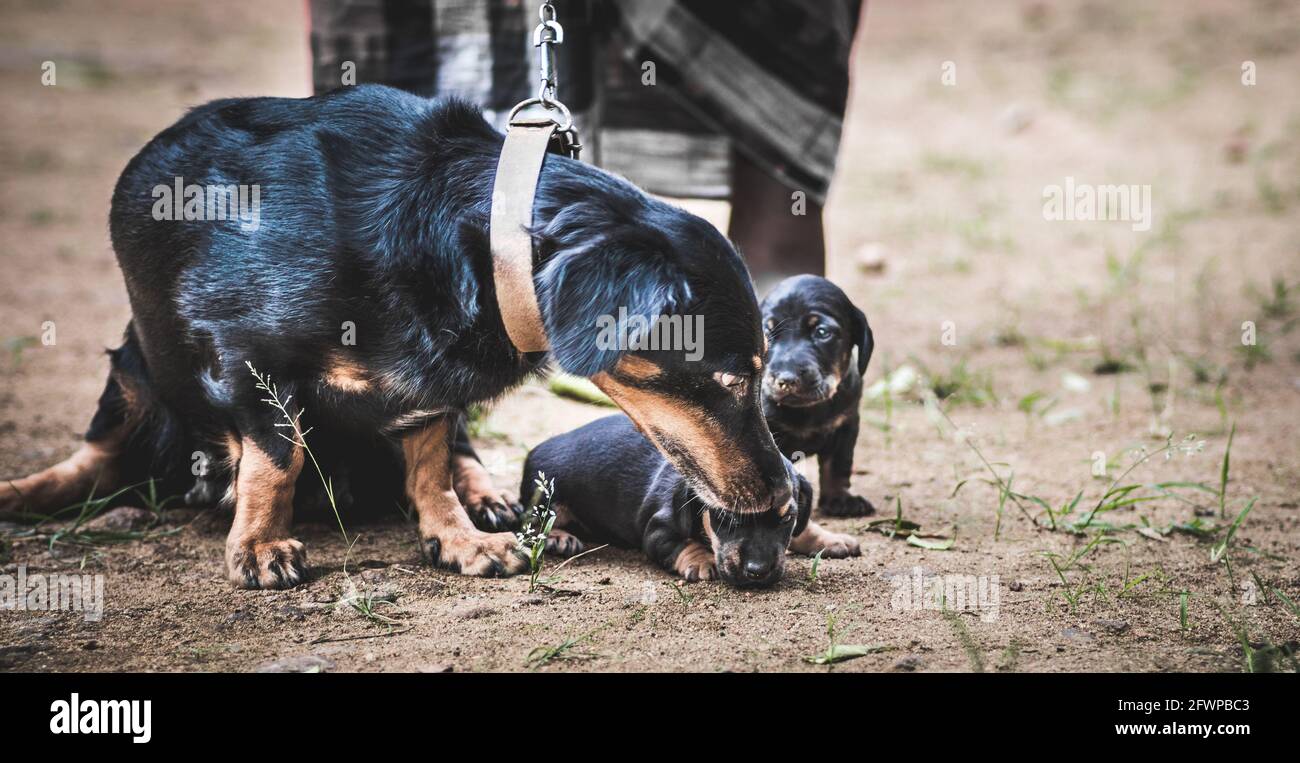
<point>812,387</point>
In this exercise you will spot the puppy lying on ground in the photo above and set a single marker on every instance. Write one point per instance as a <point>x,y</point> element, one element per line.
<point>612,486</point>
<point>811,388</point>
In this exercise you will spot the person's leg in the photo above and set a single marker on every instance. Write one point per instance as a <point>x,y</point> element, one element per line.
<point>774,241</point>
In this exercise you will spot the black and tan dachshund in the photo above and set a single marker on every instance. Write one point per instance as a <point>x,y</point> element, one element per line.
<point>363,288</point>
<point>812,386</point>
<point>612,486</point>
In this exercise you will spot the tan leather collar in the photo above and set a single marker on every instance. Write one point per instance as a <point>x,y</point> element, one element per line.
<point>513,192</point>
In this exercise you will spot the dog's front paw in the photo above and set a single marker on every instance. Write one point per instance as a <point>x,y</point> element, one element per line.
<point>695,563</point>
<point>845,505</point>
<point>471,552</point>
<point>816,539</point>
<point>267,564</point>
<point>838,545</point>
<point>492,510</point>
<point>564,544</point>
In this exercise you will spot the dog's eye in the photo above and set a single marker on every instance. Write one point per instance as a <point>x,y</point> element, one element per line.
<point>822,332</point>
<point>734,382</point>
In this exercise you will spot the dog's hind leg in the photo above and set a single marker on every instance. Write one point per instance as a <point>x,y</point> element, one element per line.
<point>94,468</point>
<point>259,550</point>
<point>488,507</point>
<point>450,538</point>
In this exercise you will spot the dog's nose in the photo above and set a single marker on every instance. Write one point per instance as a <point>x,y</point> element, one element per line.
<point>786,381</point>
<point>756,570</point>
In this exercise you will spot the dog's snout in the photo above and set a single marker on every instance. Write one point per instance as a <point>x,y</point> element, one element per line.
<point>792,380</point>
<point>758,570</point>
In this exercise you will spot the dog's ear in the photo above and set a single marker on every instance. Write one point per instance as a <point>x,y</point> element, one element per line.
<point>862,338</point>
<point>804,501</point>
<point>598,272</point>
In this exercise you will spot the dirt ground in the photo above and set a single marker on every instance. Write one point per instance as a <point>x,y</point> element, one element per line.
<point>936,229</point>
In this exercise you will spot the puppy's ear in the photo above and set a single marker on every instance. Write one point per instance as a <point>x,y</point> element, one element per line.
<point>863,338</point>
<point>598,272</point>
<point>804,502</point>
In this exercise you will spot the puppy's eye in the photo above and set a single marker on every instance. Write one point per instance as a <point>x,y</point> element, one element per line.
<point>822,332</point>
<point>734,382</point>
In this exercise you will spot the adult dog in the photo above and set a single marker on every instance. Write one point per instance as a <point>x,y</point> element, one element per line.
<point>364,290</point>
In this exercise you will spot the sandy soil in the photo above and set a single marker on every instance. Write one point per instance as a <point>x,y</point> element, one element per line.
<point>935,224</point>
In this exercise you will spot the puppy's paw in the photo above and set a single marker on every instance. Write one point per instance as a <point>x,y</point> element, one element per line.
<point>471,552</point>
<point>831,545</point>
<point>845,505</point>
<point>565,544</point>
<point>267,564</point>
<point>695,563</point>
<point>839,545</point>
<point>492,510</point>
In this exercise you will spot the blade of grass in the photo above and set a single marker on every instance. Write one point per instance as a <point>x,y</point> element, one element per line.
<point>1223,473</point>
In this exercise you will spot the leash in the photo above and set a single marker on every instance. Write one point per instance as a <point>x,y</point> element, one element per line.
<point>536,126</point>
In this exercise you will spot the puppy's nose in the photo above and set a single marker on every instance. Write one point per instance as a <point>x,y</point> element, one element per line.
<point>756,570</point>
<point>786,381</point>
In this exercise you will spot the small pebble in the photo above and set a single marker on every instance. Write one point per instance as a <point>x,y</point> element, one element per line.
<point>1114,626</point>
<point>472,613</point>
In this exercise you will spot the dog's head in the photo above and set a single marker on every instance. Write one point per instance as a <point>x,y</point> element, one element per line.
<point>812,328</point>
<point>750,548</point>
<point>656,307</point>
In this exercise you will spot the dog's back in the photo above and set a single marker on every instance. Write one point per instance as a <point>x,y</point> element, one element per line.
<point>305,234</point>
<point>609,480</point>
<point>224,275</point>
<point>613,486</point>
